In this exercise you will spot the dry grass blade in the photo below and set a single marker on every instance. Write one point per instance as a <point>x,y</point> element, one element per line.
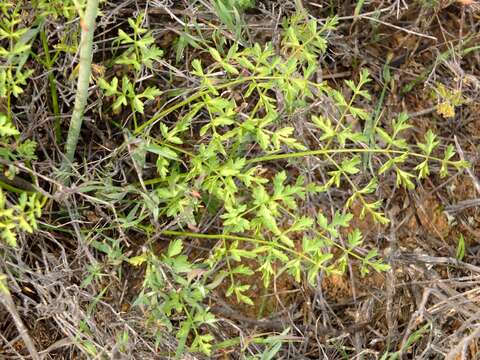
<point>7,301</point>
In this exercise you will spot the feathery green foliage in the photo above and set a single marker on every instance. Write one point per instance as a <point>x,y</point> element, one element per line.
<point>246,103</point>
<point>230,152</point>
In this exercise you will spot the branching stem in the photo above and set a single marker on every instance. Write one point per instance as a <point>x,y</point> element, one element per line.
<point>336,151</point>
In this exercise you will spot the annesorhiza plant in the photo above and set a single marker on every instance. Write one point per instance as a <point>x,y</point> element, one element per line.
<point>221,157</point>
<point>171,287</point>
<point>15,45</point>
<point>447,100</point>
<point>127,95</point>
<point>56,8</point>
<point>19,211</point>
<point>11,148</point>
<point>18,216</point>
<point>140,52</point>
<point>139,49</point>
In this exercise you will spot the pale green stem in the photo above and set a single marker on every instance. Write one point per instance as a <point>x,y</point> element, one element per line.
<point>85,70</point>
<point>273,157</point>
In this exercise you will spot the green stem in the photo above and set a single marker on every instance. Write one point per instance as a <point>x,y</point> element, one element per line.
<point>239,238</point>
<point>372,121</point>
<point>8,187</point>
<point>85,70</point>
<point>201,92</point>
<point>53,85</point>
<point>338,151</point>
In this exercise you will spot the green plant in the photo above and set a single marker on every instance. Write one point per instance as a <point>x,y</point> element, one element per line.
<point>127,95</point>
<point>230,14</point>
<point>67,44</point>
<point>220,171</point>
<point>221,154</point>
<point>56,8</point>
<point>412,340</point>
<point>12,149</point>
<point>19,216</point>
<point>16,213</point>
<point>447,100</point>
<point>223,163</point>
<point>15,45</point>
<point>140,52</point>
<point>140,46</point>
<point>171,289</point>
<point>460,252</point>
